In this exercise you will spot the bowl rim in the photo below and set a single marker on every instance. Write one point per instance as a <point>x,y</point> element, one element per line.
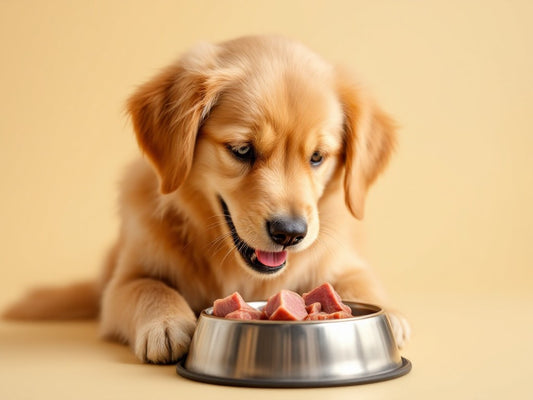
<point>375,312</point>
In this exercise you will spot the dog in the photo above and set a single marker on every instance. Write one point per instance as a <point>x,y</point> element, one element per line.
<point>258,156</point>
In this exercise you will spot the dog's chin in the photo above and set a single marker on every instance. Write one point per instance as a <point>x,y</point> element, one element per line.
<point>265,263</point>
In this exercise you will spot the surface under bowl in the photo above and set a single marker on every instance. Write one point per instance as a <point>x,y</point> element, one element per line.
<point>294,353</point>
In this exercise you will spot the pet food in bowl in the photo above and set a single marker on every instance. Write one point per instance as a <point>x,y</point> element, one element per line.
<point>308,352</point>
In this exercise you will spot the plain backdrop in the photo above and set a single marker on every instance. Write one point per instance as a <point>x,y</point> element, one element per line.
<point>451,216</point>
<point>452,213</point>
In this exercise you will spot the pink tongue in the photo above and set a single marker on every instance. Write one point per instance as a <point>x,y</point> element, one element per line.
<point>271,259</point>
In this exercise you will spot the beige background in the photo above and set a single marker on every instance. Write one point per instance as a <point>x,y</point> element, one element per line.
<point>449,225</point>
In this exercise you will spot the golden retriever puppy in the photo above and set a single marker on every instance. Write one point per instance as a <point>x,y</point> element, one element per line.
<point>258,155</point>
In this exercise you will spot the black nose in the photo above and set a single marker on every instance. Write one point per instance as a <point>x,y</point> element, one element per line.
<point>287,231</point>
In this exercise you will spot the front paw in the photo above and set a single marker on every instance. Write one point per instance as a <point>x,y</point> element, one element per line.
<point>163,341</point>
<point>400,328</point>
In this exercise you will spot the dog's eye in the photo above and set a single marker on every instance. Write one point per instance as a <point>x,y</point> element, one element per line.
<point>317,158</point>
<point>244,152</point>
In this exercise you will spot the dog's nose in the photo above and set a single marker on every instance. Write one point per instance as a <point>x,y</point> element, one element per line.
<point>287,231</point>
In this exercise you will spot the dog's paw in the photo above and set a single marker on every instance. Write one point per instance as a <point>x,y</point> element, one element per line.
<point>164,341</point>
<point>400,328</point>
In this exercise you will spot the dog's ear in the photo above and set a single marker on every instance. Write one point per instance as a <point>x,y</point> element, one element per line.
<point>168,110</point>
<point>370,137</point>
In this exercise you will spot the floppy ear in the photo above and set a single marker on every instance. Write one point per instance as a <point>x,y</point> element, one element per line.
<point>168,110</point>
<point>370,137</point>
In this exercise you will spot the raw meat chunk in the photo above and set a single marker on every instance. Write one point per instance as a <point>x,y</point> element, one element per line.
<point>287,306</point>
<point>314,308</point>
<point>228,304</point>
<point>328,298</point>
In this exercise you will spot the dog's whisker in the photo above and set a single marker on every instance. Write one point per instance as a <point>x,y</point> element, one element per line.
<point>216,245</point>
<point>219,246</point>
<point>231,249</point>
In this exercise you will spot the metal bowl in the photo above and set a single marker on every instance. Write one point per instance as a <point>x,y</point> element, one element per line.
<point>347,351</point>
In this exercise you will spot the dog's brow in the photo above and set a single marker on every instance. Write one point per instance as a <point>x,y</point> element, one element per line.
<point>234,132</point>
<point>331,139</point>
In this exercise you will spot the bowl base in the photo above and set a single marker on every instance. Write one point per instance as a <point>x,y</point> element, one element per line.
<point>277,383</point>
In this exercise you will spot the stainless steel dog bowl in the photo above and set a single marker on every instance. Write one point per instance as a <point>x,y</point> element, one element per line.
<point>348,351</point>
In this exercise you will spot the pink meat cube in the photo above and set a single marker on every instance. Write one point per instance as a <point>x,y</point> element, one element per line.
<point>228,304</point>
<point>314,308</point>
<point>329,299</point>
<point>286,306</point>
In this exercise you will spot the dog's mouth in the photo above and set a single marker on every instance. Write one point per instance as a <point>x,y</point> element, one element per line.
<point>265,262</point>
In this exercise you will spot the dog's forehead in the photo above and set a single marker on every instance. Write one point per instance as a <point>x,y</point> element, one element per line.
<point>291,98</point>
<point>269,111</point>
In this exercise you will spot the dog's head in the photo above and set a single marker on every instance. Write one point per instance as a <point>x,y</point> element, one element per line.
<point>260,127</point>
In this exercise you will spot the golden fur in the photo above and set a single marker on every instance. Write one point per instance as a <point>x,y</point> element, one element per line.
<point>175,253</point>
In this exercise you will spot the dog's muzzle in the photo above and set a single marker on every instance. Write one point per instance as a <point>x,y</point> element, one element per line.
<point>284,232</point>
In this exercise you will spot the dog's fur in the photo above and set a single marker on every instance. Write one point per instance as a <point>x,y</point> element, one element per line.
<point>176,252</point>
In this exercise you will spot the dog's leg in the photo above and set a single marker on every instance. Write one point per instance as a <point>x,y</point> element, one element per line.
<point>152,317</point>
<point>359,284</point>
